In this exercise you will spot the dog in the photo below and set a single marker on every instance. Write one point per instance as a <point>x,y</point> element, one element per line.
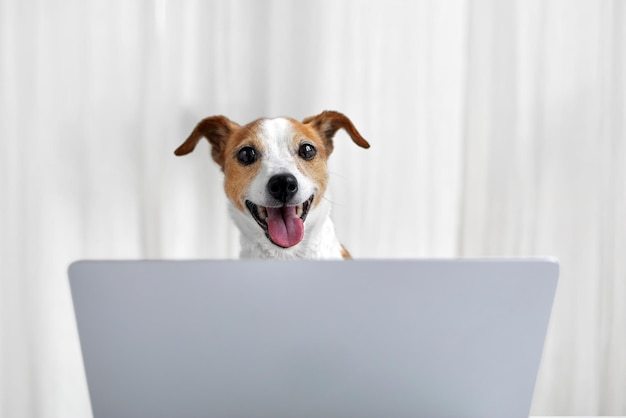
<point>275,177</point>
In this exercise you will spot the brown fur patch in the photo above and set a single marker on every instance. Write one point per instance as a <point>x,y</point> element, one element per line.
<point>316,168</point>
<point>217,130</point>
<point>329,122</point>
<point>345,254</point>
<point>238,177</point>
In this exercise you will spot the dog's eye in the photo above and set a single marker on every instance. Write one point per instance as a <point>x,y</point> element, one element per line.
<point>307,151</point>
<point>247,155</point>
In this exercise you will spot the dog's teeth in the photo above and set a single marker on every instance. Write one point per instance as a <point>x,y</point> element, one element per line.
<point>262,213</point>
<point>299,210</point>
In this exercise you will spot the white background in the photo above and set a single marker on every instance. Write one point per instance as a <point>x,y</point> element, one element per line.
<point>497,129</point>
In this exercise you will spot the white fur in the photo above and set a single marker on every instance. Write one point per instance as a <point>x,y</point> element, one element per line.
<point>278,158</point>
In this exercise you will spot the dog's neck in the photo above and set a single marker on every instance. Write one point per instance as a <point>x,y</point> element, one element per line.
<point>319,242</point>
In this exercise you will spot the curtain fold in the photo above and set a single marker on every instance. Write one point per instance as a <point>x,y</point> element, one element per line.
<point>497,129</point>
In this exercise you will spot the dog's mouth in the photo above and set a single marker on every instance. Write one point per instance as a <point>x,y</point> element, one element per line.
<point>284,225</point>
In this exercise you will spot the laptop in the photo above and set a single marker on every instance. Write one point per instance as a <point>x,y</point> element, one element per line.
<point>318,339</point>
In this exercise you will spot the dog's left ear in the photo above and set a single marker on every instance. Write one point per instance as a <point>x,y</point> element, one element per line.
<point>216,129</point>
<point>329,122</point>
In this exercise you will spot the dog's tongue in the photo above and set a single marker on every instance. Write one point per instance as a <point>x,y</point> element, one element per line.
<point>285,227</point>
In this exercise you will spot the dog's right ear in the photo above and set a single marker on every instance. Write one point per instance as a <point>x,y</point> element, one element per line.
<point>216,129</point>
<point>329,122</point>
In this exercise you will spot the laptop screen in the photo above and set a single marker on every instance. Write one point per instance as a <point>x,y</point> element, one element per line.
<point>366,338</point>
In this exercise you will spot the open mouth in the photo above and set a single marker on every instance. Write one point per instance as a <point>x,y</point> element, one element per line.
<point>284,225</point>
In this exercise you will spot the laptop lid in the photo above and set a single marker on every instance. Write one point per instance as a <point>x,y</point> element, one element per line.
<point>360,338</point>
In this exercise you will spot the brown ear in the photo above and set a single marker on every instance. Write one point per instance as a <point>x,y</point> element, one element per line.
<point>216,129</point>
<point>329,122</point>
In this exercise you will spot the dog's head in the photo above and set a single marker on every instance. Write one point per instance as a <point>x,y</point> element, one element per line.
<point>274,169</point>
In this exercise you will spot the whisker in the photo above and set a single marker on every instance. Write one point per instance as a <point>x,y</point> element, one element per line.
<point>328,200</point>
<point>337,174</point>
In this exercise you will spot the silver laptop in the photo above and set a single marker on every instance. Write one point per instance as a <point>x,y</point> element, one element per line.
<point>319,339</point>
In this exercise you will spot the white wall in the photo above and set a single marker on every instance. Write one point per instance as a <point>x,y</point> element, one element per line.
<point>497,129</point>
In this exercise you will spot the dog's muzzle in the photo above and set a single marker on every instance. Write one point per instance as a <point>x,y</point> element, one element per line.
<point>283,225</point>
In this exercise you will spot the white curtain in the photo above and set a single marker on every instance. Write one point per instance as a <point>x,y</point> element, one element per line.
<point>497,129</point>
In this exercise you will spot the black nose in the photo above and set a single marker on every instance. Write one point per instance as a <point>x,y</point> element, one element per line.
<point>282,187</point>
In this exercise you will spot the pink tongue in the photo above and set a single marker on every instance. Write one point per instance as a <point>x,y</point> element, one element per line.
<point>285,227</point>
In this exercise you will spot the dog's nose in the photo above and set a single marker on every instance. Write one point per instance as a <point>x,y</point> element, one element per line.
<point>282,187</point>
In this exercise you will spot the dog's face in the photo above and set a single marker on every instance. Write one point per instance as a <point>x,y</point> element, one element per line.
<point>275,170</point>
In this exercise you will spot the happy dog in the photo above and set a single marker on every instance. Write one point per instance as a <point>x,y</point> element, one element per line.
<point>275,177</point>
